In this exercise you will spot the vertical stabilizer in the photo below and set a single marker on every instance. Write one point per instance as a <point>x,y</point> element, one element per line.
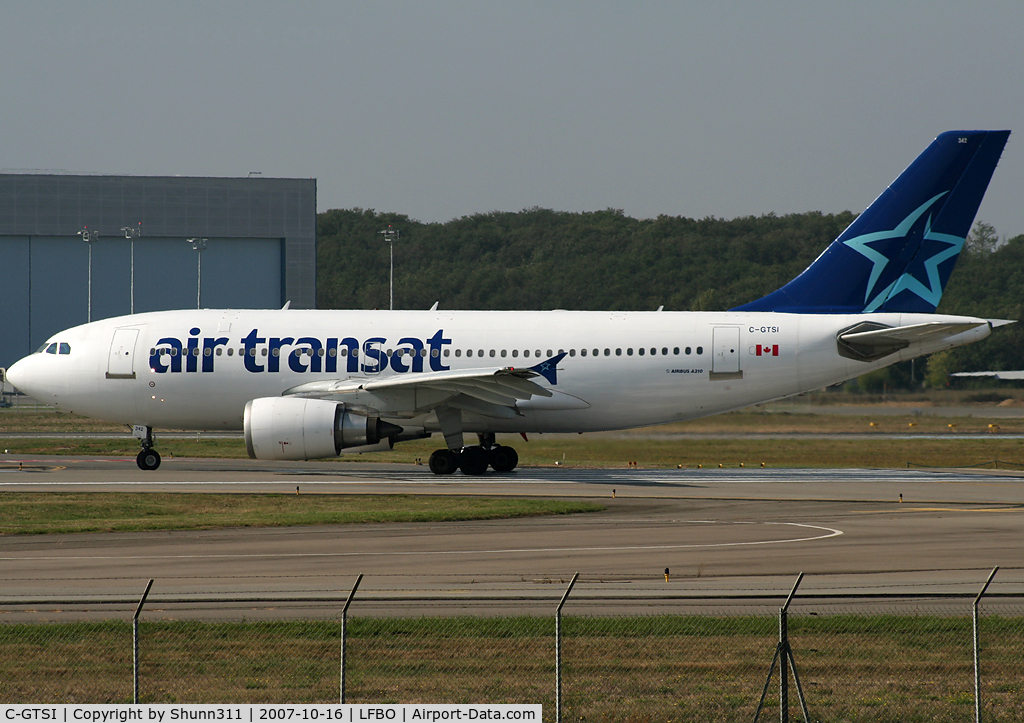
<point>898,254</point>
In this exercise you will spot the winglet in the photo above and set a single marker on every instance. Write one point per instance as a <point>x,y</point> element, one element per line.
<point>549,368</point>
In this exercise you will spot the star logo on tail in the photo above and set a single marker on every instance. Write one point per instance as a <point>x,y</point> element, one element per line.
<point>949,247</point>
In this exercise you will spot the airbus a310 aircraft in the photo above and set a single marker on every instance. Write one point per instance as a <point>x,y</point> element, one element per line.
<point>313,384</point>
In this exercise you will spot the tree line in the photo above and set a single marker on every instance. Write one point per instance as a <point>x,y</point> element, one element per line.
<point>543,259</point>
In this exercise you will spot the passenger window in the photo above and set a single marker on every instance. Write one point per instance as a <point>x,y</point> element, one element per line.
<point>607,352</point>
<point>688,351</point>
<point>583,352</point>
<point>629,351</point>
<point>700,350</point>
<point>640,351</point>
<point>492,352</point>
<point>595,352</point>
<point>537,353</point>
<point>231,351</point>
<point>664,351</point>
<point>549,353</point>
<point>515,352</point>
<point>458,352</point>
<point>572,352</point>
<point>618,352</point>
<point>480,353</point>
<point>526,352</point>
<point>469,352</point>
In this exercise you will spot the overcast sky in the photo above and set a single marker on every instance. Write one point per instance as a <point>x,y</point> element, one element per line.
<point>442,109</point>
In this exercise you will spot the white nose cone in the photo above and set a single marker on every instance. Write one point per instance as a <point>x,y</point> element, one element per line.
<point>17,374</point>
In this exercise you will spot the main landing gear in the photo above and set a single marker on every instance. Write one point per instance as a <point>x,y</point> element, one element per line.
<point>476,459</point>
<point>148,458</point>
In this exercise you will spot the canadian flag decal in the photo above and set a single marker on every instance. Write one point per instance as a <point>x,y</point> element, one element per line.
<point>766,350</point>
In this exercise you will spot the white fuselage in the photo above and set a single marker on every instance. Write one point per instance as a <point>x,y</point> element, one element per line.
<point>621,369</point>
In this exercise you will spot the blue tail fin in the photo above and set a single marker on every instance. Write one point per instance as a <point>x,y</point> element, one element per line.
<point>898,254</point>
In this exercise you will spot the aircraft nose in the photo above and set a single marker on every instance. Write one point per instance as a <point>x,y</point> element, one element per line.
<point>19,376</point>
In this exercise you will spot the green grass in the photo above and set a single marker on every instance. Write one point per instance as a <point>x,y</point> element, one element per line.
<point>665,446</point>
<point>59,512</point>
<point>604,450</point>
<point>627,668</point>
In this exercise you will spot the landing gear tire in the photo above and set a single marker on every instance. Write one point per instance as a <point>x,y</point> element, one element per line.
<point>443,461</point>
<point>148,459</point>
<point>473,460</point>
<point>503,459</point>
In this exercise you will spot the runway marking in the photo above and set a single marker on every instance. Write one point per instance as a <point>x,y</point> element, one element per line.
<point>962,509</point>
<point>828,532</point>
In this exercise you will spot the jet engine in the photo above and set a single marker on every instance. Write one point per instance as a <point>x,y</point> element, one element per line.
<point>298,428</point>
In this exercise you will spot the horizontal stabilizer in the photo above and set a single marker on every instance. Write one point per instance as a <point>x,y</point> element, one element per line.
<point>869,341</point>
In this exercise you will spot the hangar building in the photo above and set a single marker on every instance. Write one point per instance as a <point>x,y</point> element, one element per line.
<point>260,248</point>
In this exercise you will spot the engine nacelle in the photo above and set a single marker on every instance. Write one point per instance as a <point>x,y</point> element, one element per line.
<point>298,428</point>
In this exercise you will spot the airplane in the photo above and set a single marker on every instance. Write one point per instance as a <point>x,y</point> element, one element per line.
<point>309,384</point>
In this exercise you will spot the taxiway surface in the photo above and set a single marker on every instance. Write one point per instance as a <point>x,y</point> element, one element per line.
<point>737,532</point>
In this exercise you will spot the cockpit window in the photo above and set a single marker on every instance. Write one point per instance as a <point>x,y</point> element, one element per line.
<point>64,348</point>
<point>52,348</point>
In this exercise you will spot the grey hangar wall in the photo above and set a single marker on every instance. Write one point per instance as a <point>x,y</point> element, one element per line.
<point>260,253</point>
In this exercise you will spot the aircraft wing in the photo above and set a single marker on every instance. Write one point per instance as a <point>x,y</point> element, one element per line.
<point>1016,374</point>
<point>492,391</point>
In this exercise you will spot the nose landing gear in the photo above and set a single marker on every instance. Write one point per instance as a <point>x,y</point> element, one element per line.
<point>148,458</point>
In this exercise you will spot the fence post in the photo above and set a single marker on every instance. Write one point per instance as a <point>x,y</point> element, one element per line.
<point>784,656</point>
<point>977,664</point>
<point>344,631</point>
<point>135,643</point>
<point>558,650</point>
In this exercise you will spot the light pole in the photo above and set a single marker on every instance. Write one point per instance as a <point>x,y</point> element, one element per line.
<point>391,235</point>
<point>199,244</point>
<point>131,233</point>
<point>89,237</point>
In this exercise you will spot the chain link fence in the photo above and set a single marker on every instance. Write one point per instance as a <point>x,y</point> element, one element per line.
<point>860,656</point>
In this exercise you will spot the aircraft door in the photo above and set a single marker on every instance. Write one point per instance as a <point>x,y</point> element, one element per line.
<point>725,350</point>
<point>121,362</point>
